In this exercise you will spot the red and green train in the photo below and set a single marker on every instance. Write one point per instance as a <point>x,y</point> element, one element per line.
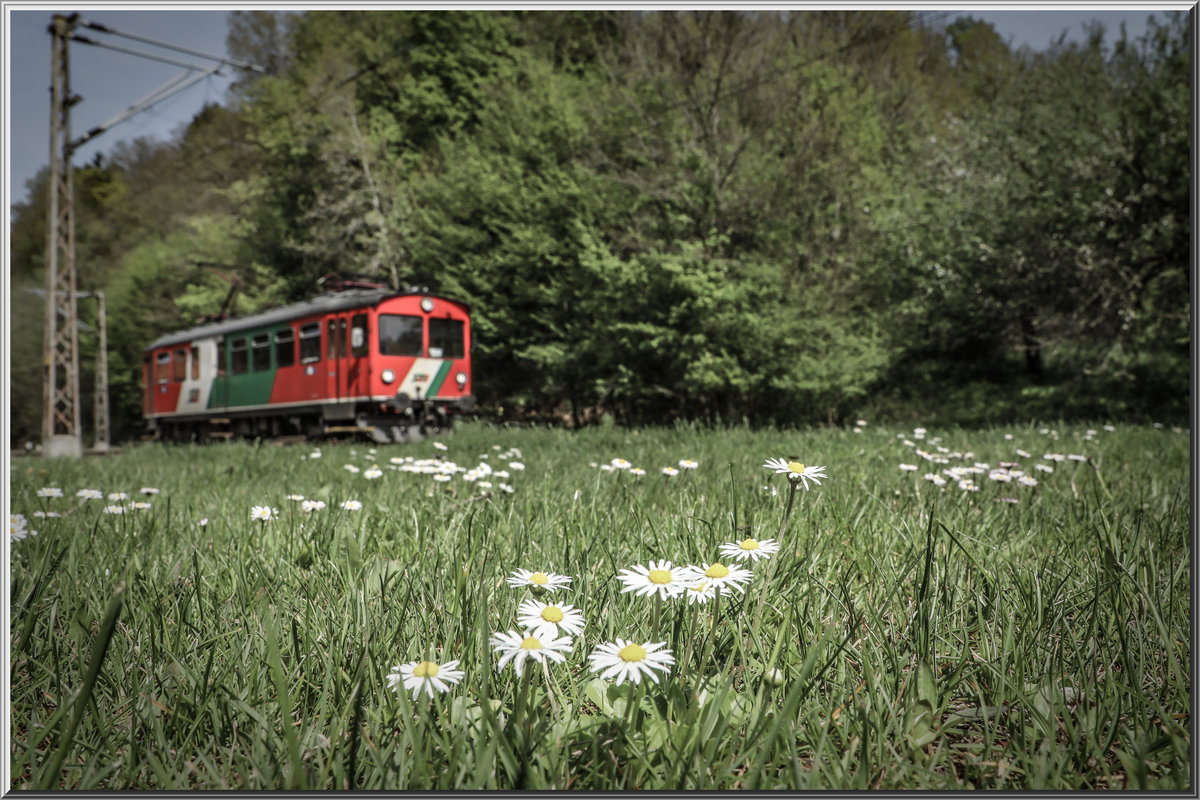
<point>392,366</point>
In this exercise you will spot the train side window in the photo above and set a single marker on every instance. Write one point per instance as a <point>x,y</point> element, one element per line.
<point>310,343</point>
<point>162,367</point>
<point>195,363</point>
<point>285,348</point>
<point>358,335</point>
<point>260,352</point>
<point>220,358</point>
<point>179,366</point>
<point>400,335</point>
<point>238,356</point>
<point>446,334</point>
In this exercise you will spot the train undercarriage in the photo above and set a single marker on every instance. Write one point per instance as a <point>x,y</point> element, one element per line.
<point>378,423</point>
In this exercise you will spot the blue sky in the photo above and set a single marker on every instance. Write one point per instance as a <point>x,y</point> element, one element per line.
<point>110,82</point>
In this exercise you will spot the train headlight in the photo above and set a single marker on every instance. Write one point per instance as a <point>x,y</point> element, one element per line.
<point>426,305</point>
<point>388,376</point>
<point>461,379</point>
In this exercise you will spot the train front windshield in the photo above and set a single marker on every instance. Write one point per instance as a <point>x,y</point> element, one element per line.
<point>404,335</point>
<point>401,335</point>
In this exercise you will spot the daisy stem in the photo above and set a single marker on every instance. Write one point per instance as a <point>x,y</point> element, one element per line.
<point>762,593</point>
<point>631,708</point>
<point>654,616</point>
<point>691,638</point>
<point>712,630</point>
<point>787,514</point>
<point>521,716</point>
<point>549,689</point>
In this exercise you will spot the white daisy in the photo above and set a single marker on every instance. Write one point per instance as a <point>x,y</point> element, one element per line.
<point>796,471</point>
<point>203,523</point>
<point>518,648</point>
<point>670,472</point>
<point>516,466</point>
<point>148,490</point>
<point>638,471</point>
<point>138,505</point>
<point>908,467</point>
<point>722,576</point>
<point>90,494</point>
<point>350,468</point>
<point>700,592</point>
<point>659,578</point>
<point>538,581</point>
<point>373,472</point>
<point>18,528</point>
<point>114,509</point>
<point>298,498</point>
<point>263,513</point>
<point>620,463</point>
<point>351,505</point>
<point>750,549</point>
<point>687,463</point>
<point>309,506</point>
<point>547,619</point>
<point>622,660</point>
<point>426,676</point>
<point>50,491</point>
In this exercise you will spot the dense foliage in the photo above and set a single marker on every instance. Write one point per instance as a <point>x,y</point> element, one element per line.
<point>777,216</point>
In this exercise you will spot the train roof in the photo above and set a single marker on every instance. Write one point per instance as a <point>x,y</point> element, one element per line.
<point>323,304</point>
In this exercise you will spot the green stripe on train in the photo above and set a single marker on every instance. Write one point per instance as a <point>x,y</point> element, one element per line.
<point>436,384</point>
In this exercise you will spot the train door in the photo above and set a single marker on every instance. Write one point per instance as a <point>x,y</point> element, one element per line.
<point>336,352</point>
<point>347,351</point>
<point>357,377</point>
<point>147,386</point>
<point>220,367</point>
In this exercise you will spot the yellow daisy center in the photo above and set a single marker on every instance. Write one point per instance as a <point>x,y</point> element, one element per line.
<point>632,652</point>
<point>749,544</point>
<point>795,466</point>
<point>539,578</point>
<point>531,643</point>
<point>660,576</point>
<point>426,669</point>
<point>552,614</point>
<point>699,587</point>
<point>716,571</point>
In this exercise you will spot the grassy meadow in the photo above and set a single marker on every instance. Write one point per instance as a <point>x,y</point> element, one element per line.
<point>905,635</point>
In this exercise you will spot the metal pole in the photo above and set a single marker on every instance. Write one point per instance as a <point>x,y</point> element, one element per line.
<point>101,422</point>
<point>60,424</point>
